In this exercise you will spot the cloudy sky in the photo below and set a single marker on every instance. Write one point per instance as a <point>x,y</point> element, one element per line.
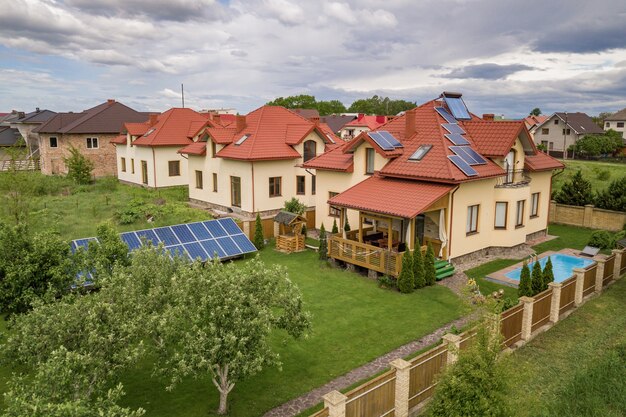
<point>506,57</point>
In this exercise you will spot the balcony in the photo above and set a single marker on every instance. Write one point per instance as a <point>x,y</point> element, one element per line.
<point>365,255</point>
<point>513,179</point>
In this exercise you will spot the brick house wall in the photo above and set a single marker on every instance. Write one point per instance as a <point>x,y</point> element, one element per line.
<point>52,158</point>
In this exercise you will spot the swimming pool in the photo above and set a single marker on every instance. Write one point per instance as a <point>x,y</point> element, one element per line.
<point>562,266</point>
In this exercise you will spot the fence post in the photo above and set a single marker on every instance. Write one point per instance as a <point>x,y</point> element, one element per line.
<point>246,228</point>
<point>599,274</point>
<point>618,262</point>
<point>580,281</point>
<point>403,371</point>
<point>453,341</point>
<point>556,300</point>
<point>527,317</point>
<point>588,216</point>
<point>336,403</point>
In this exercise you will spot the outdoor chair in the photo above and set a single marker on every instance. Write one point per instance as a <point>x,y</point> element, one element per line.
<point>590,251</point>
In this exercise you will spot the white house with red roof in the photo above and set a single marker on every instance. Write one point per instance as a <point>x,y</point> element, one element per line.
<point>362,123</point>
<point>255,163</point>
<point>437,174</point>
<point>147,153</point>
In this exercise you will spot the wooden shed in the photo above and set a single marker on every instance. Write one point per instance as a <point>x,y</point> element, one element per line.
<point>290,237</point>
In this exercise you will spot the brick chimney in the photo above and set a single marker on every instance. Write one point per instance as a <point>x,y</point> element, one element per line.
<point>21,114</point>
<point>490,117</point>
<point>360,116</point>
<point>315,120</point>
<point>409,123</point>
<point>381,119</point>
<point>153,119</point>
<point>216,118</point>
<point>240,122</point>
<point>111,101</point>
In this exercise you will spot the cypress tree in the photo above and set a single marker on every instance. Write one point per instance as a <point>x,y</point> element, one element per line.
<point>418,269</point>
<point>548,274</point>
<point>259,241</point>
<point>346,227</point>
<point>429,266</point>
<point>406,282</point>
<point>525,284</point>
<point>335,229</point>
<point>537,278</point>
<point>323,250</point>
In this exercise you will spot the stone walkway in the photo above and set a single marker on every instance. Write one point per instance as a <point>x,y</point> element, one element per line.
<point>297,405</point>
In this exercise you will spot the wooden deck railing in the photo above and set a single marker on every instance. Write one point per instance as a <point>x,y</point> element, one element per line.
<point>364,255</point>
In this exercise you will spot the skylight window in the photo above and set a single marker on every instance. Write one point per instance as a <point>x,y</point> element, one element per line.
<point>330,138</point>
<point>149,132</point>
<point>242,140</point>
<point>420,152</point>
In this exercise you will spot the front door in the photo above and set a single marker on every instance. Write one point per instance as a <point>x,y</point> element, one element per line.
<point>144,172</point>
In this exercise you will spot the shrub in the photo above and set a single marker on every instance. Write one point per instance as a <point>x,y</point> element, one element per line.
<point>78,167</point>
<point>406,282</point>
<point>601,174</point>
<point>537,278</point>
<point>346,227</point>
<point>613,197</point>
<point>429,266</point>
<point>385,281</point>
<point>418,269</point>
<point>335,229</point>
<point>295,206</point>
<point>601,239</point>
<point>323,250</point>
<point>132,212</point>
<point>303,230</point>
<point>548,274</point>
<point>575,192</point>
<point>525,284</point>
<point>259,241</point>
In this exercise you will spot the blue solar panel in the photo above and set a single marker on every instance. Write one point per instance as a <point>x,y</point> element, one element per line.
<point>199,231</point>
<point>453,128</point>
<point>244,243</point>
<point>444,113</point>
<point>457,139</point>
<point>83,243</point>
<point>195,251</point>
<point>131,240</point>
<point>475,155</point>
<point>468,154</point>
<point>177,250</point>
<point>230,226</point>
<point>211,247</point>
<point>457,107</point>
<point>166,235</point>
<point>381,141</point>
<point>215,229</point>
<point>183,233</point>
<point>462,165</point>
<point>148,236</point>
<point>390,138</point>
<point>229,246</point>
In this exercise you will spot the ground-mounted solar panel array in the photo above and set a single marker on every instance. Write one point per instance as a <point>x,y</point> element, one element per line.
<point>199,240</point>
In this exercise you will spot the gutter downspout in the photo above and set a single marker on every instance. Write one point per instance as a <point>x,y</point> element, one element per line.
<point>451,217</point>
<point>154,167</point>
<point>253,205</point>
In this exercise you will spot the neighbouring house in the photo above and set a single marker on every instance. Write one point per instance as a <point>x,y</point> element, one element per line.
<point>8,138</point>
<point>436,174</point>
<point>616,122</point>
<point>532,121</point>
<point>89,131</point>
<point>26,124</point>
<point>336,122</point>
<point>147,153</point>
<point>561,130</point>
<point>254,164</point>
<point>362,123</point>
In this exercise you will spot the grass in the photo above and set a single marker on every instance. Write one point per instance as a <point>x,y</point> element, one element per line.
<point>577,367</point>
<point>600,174</point>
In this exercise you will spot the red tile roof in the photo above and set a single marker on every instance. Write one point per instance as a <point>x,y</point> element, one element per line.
<point>334,159</point>
<point>541,162</point>
<point>371,122</point>
<point>395,197</point>
<point>494,138</point>
<point>533,120</point>
<point>172,128</point>
<point>136,129</point>
<point>119,140</point>
<point>195,148</point>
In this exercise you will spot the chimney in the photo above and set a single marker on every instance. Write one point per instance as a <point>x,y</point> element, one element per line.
<point>110,101</point>
<point>360,117</point>
<point>409,123</point>
<point>37,110</point>
<point>153,119</point>
<point>381,119</point>
<point>217,119</point>
<point>315,120</point>
<point>489,117</point>
<point>21,114</point>
<point>241,122</point>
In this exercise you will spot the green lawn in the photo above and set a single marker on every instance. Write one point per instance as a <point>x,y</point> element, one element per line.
<point>594,171</point>
<point>577,368</point>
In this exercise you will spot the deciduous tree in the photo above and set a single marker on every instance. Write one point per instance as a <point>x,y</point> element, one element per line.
<point>535,112</point>
<point>79,168</point>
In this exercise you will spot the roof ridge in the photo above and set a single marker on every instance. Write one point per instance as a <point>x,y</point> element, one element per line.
<point>89,116</point>
<point>258,126</point>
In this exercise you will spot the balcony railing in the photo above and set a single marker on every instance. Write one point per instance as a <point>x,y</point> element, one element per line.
<point>365,255</point>
<point>513,179</point>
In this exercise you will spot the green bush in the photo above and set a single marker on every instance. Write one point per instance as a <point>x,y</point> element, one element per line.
<point>346,227</point>
<point>601,239</point>
<point>78,166</point>
<point>601,174</point>
<point>613,197</point>
<point>418,269</point>
<point>548,274</point>
<point>295,206</point>
<point>537,278</point>
<point>335,229</point>
<point>406,283</point>
<point>525,288</point>
<point>323,249</point>
<point>259,240</point>
<point>385,281</point>
<point>576,191</point>
<point>133,211</point>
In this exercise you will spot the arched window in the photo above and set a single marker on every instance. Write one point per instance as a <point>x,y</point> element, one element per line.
<point>310,149</point>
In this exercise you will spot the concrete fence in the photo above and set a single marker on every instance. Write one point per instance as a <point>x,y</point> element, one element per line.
<point>404,388</point>
<point>587,216</point>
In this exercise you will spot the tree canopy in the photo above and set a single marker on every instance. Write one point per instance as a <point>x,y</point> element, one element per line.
<point>594,145</point>
<point>535,112</point>
<point>575,192</point>
<point>372,105</point>
<point>380,105</point>
<point>305,101</point>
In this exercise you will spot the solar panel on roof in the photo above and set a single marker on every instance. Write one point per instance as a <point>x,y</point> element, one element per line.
<point>390,138</point>
<point>381,141</point>
<point>457,107</point>
<point>453,128</point>
<point>444,113</point>
<point>456,139</point>
<point>462,165</point>
<point>475,155</point>
<point>462,152</point>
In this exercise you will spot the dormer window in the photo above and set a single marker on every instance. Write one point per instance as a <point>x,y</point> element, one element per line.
<point>242,140</point>
<point>204,138</point>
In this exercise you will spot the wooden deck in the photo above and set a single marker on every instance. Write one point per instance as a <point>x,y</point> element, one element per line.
<point>367,256</point>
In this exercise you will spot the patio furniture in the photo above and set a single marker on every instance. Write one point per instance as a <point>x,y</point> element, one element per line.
<point>589,251</point>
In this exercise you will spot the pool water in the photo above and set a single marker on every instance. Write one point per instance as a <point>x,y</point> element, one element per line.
<point>562,266</point>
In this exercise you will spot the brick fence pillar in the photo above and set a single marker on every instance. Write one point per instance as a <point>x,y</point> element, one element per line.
<point>588,216</point>
<point>599,274</point>
<point>453,342</point>
<point>403,371</point>
<point>276,229</point>
<point>580,281</point>
<point>336,403</point>
<point>246,228</point>
<point>527,317</point>
<point>619,253</point>
<point>556,300</point>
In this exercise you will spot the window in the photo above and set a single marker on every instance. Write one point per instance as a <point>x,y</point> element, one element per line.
<point>123,164</point>
<point>534,205</point>
<point>551,145</point>
<point>300,185</point>
<point>213,149</point>
<point>501,211</point>
<point>235,191</point>
<point>53,142</point>
<point>333,211</point>
<point>313,185</point>
<point>545,131</point>
<point>92,143</point>
<point>144,172</point>
<point>566,131</point>
<point>173,168</point>
<point>310,150</point>
<point>608,124</point>
<point>369,160</point>
<point>275,186</point>
<point>132,166</point>
<point>472,219</point>
<point>420,152</point>
<point>556,121</point>
<point>519,217</point>
<point>620,124</point>
<point>241,140</point>
<point>214,182</point>
<point>199,180</point>
<point>544,143</point>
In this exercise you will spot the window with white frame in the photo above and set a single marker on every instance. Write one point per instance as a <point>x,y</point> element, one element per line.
<point>519,216</point>
<point>92,143</point>
<point>534,205</point>
<point>472,219</point>
<point>501,211</point>
<point>53,142</point>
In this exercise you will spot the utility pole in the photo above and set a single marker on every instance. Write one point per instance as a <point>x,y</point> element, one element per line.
<point>564,138</point>
<point>182,94</point>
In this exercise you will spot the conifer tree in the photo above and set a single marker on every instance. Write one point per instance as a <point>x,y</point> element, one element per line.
<point>406,282</point>
<point>548,274</point>
<point>346,227</point>
<point>429,266</point>
<point>259,241</point>
<point>525,284</point>
<point>418,269</point>
<point>323,250</point>
<point>537,278</point>
<point>335,229</point>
